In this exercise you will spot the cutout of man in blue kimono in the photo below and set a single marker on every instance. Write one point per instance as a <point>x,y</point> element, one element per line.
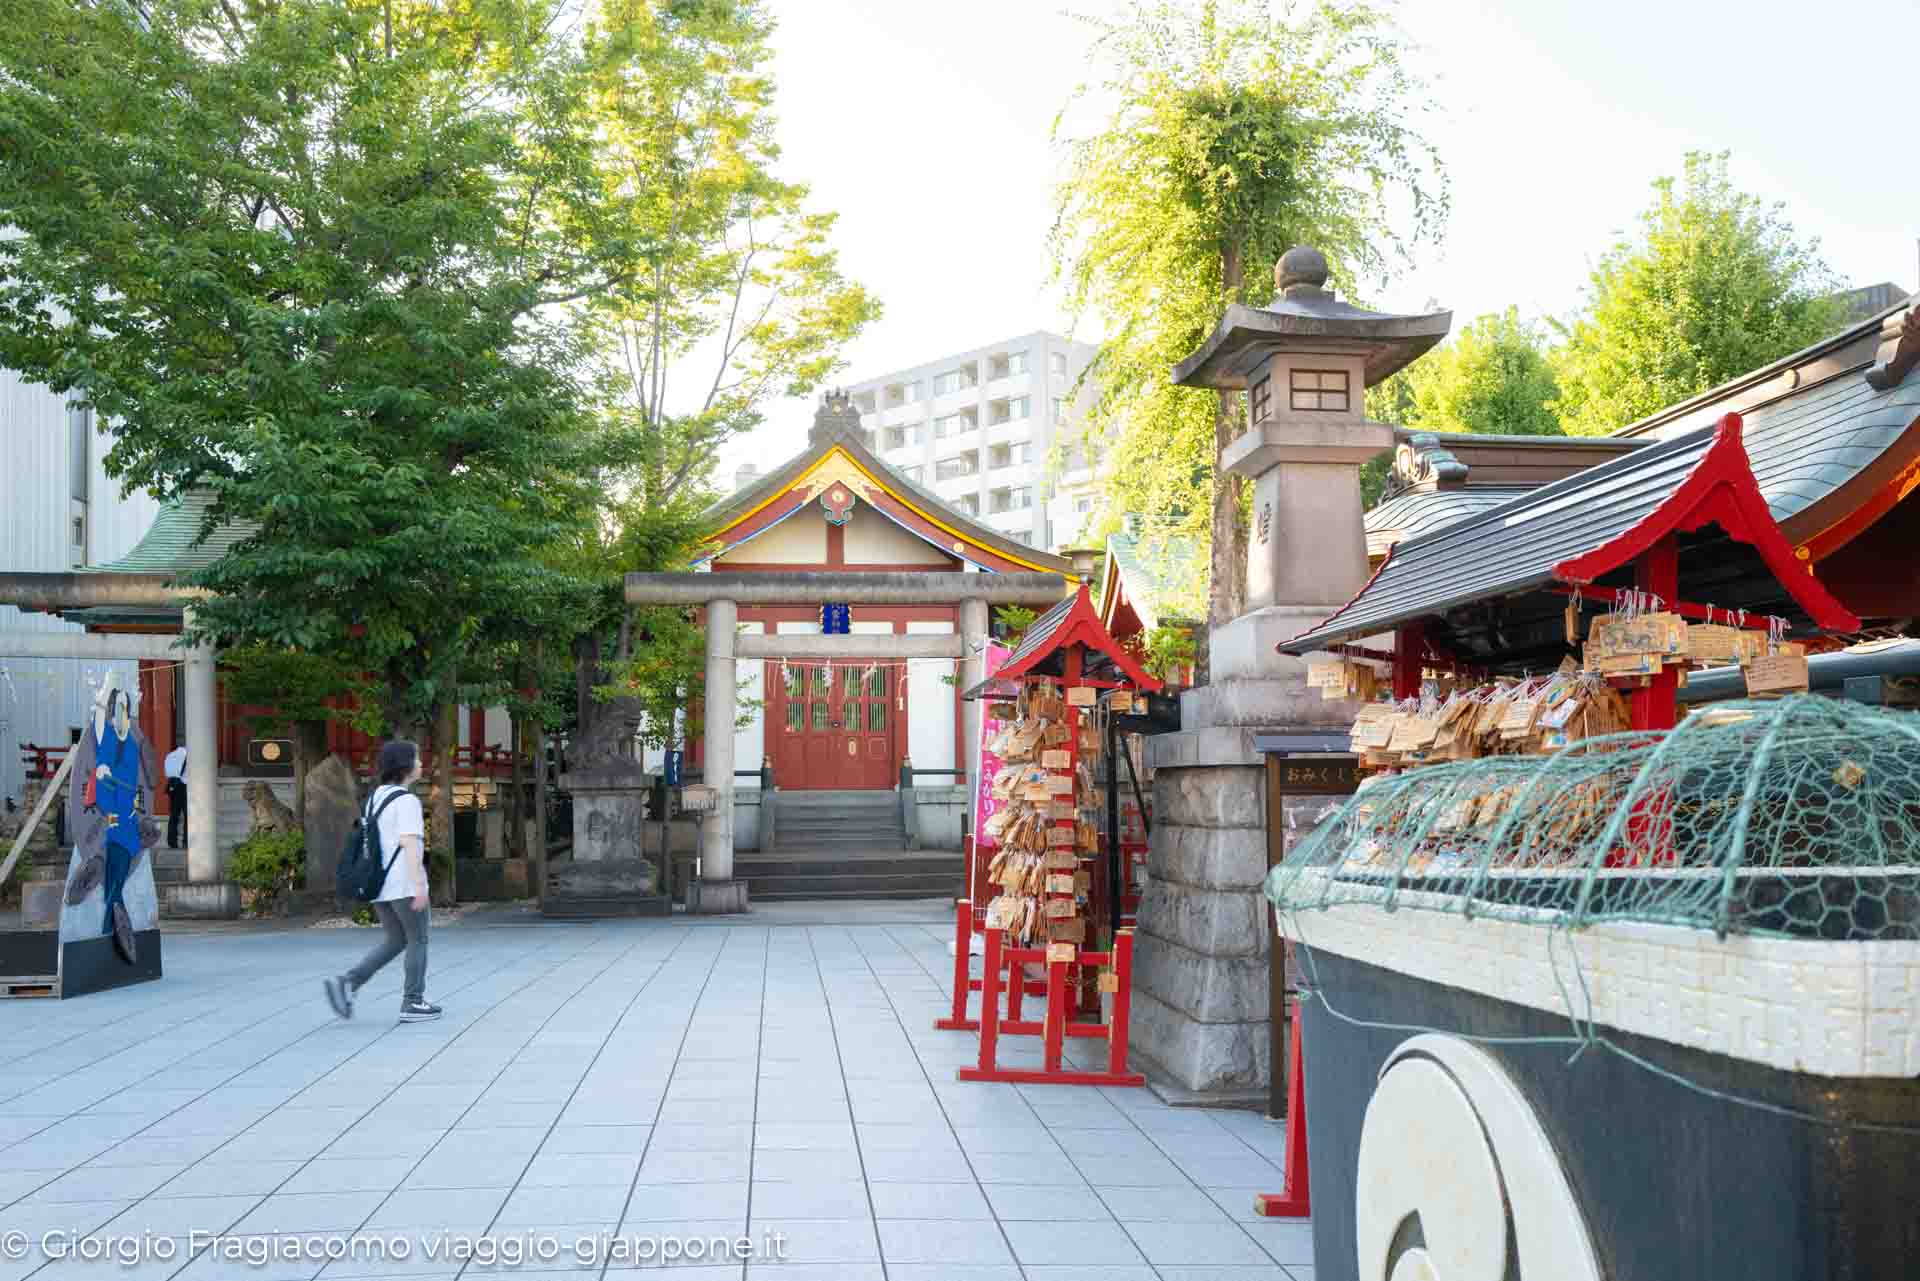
<point>110,887</point>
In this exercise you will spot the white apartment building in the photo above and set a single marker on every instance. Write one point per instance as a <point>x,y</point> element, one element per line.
<point>978,429</point>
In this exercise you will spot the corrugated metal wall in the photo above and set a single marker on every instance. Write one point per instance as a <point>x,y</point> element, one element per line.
<point>39,700</point>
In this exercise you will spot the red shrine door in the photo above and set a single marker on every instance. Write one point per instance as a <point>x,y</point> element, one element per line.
<point>834,728</point>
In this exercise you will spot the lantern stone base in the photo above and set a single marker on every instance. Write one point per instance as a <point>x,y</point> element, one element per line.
<point>1201,980</point>
<point>717,898</point>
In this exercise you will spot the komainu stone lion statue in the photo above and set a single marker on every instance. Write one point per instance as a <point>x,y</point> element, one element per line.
<point>270,813</point>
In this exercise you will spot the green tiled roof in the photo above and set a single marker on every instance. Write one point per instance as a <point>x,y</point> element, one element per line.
<point>1159,574</point>
<point>173,544</point>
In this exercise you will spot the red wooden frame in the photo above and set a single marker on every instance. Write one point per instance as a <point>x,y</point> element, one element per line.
<point>1054,1026</point>
<point>1081,627</point>
<point>1720,490</point>
<point>1294,1200</point>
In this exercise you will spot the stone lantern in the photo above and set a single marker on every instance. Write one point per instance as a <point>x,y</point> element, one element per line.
<point>1201,965</point>
<point>1304,363</point>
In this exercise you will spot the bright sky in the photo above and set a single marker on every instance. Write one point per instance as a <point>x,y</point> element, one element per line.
<point>927,127</point>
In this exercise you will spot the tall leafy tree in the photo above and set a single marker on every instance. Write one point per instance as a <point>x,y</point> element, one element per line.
<point>1229,135</point>
<point>739,297</point>
<point>1491,377</point>
<point>317,257</point>
<point>1716,283</point>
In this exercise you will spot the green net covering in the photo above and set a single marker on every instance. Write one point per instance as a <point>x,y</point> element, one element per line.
<point>1795,817</point>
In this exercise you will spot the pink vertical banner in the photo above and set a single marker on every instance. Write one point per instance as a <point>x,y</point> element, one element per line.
<point>984,803</point>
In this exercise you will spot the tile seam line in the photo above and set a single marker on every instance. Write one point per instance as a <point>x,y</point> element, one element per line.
<point>189,1103</point>
<point>383,1098</point>
<point>693,1007</point>
<point>612,1028</point>
<point>859,1153</point>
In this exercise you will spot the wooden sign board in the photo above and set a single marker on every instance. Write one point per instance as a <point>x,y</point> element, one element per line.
<point>1327,673</point>
<point>1062,953</point>
<point>1121,700</point>
<point>1056,759</point>
<point>1060,883</point>
<point>1036,792</point>
<point>1375,731</point>
<point>1059,836</point>
<point>1060,809</point>
<point>1109,981</point>
<point>1083,882</point>
<point>1660,633</point>
<point>1071,930</point>
<point>1061,860</point>
<point>1777,674</point>
<point>1081,696</point>
<point>1060,785</point>
<point>1059,907</point>
<point>1713,643</point>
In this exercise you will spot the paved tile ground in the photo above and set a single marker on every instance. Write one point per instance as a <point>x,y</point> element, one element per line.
<point>653,1081</point>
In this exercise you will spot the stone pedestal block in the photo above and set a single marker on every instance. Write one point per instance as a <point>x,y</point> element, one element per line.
<point>493,834</point>
<point>608,812</point>
<point>40,904</point>
<point>1200,973</point>
<point>717,898</point>
<point>201,901</point>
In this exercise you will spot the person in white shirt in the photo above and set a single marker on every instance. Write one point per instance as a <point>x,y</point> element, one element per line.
<point>176,767</point>
<point>402,905</point>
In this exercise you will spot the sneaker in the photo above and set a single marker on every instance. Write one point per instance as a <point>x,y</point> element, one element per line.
<point>340,997</point>
<point>419,1012</point>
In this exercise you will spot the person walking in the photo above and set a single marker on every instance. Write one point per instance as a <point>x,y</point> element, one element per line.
<point>176,768</point>
<point>402,906</point>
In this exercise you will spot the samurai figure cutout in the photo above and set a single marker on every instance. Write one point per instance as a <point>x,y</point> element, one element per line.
<point>110,889</point>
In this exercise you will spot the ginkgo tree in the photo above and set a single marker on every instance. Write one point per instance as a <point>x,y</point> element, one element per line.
<point>1227,132</point>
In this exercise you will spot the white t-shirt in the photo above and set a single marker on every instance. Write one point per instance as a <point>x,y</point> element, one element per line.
<point>177,763</point>
<point>404,817</point>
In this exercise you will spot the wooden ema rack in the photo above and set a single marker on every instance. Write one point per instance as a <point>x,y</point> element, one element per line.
<point>1055,1026</point>
<point>1292,1202</point>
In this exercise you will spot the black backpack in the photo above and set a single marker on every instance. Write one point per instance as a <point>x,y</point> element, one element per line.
<point>362,871</point>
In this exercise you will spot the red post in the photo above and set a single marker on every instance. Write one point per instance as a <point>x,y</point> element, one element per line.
<point>1056,1026</point>
<point>1122,1002</point>
<point>1293,1201</point>
<point>962,943</point>
<point>1409,659</point>
<point>989,1001</point>
<point>1656,705</point>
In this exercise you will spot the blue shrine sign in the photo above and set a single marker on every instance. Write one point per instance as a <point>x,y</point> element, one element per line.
<point>836,620</point>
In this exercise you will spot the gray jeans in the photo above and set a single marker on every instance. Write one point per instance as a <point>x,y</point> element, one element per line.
<point>405,931</point>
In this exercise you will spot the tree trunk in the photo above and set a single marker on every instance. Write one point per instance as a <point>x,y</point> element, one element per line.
<point>1227,576</point>
<point>309,749</point>
<point>537,857</point>
<point>517,796</point>
<point>446,740</point>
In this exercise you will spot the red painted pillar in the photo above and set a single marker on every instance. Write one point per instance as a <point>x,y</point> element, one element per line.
<point>1656,705</point>
<point>1409,655</point>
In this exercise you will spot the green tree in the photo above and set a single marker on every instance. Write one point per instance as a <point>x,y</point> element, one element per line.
<point>1492,378</point>
<point>317,256</point>
<point>1232,134</point>
<point>1716,283</point>
<point>739,297</point>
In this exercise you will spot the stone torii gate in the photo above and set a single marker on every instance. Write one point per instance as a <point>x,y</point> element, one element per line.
<point>62,591</point>
<point>721,595</point>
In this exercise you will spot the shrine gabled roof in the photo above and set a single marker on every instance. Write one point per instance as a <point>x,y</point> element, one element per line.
<point>1072,622</point>
<point>1575,531</point>
<point>843,454</point>
<point>173,543</point>
<point>1147,573</point>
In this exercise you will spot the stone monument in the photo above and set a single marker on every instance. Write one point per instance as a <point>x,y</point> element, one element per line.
<point>608,874</point>
<point>1200,978</point>
<point>332,804</point>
